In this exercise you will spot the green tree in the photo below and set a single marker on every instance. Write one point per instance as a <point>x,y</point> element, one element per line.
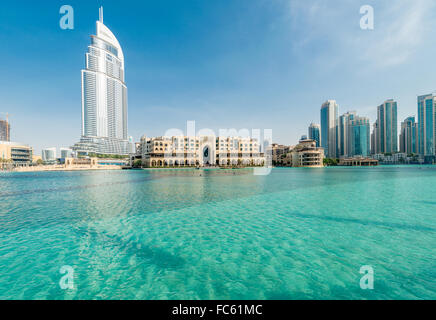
<point>137,164</point>
<point>330,162</point>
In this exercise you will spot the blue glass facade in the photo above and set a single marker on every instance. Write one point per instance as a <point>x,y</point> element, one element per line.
<point>324,130</point>
<point>315,134</point>
<point>387,134</point>
<point>426,126</point>
<point>329,129</point>
<point>409,136</point>
<point>429,127</point>
<point>359,136</point>
<point>344,143</point>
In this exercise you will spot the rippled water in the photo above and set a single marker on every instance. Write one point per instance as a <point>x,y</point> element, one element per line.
<point>218,234</point>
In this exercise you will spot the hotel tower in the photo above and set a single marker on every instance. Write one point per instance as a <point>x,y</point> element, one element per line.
<point>427,127</point>
<point>315,133</point>
<point>329,128</point>
<point>104,96</point>
<point>387,126</point>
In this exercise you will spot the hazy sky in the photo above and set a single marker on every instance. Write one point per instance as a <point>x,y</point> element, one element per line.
<point>264,64</point>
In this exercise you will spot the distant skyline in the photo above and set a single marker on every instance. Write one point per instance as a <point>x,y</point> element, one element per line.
<point>255,64</point>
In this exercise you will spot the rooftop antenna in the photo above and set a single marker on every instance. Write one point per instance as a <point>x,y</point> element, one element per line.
<point>101,14</point>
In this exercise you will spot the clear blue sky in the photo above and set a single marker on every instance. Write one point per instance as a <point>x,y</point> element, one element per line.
<point>266,64</point>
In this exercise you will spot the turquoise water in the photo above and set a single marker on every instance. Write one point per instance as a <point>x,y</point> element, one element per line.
<point>218,234</point>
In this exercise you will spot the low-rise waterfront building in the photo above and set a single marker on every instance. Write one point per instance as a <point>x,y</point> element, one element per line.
<point>49,155</point>
<point>66,153</point>
<point>398,158</point>
<point>278,152</point>
<point>305,154</point>
<point>15,154</point>
<point>202,151</point>
<point>358,162</point>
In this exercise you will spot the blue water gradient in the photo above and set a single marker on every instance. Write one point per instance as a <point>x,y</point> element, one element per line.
<point>219,234</point>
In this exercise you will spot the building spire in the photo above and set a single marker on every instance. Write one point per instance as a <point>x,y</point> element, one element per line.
<point>100,11</point>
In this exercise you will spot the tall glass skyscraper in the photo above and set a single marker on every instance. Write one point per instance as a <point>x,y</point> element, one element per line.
<point>374,139</point>
<point>329,128</point>
<point>315,133</point>
<point>409,136</point>
<point>387,127</point>
<point>104,96</point>
<point>344,134</point>
<point>359,137</point>
<point>427,126</point>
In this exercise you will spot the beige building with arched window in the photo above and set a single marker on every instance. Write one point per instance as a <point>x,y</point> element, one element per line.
<point>202,151</point>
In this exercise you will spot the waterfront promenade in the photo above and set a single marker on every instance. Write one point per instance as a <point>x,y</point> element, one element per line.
<point>63,168</point>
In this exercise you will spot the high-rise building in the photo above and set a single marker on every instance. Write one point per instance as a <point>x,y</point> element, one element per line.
<point>344,144</point>
<point>409,136</point>
<point>387,130</point>
<point>329,128</point>
<point>427,126</point>
<point>315,133</point>
<point>374,139</point>
<point>5,131</point>
<point>104,96</point>
<point>359,137</point>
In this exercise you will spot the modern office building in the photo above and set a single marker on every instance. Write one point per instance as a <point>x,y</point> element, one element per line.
<point>5,131</point>
<point>374,149</point>
<point>409,136</point>
<point>315,133</point>
<point>66,153</point>
<point>14,153</point>
<point>203,151</point>
<point>387,127</point>
<point>359,137</point>
<point>49,155</point>
<point>344,143</point>
<point>104,96</point>
<point>427,127</point>
<point>329,128</point>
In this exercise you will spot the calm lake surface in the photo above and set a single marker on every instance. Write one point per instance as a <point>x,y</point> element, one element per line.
<point>219,234</point>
